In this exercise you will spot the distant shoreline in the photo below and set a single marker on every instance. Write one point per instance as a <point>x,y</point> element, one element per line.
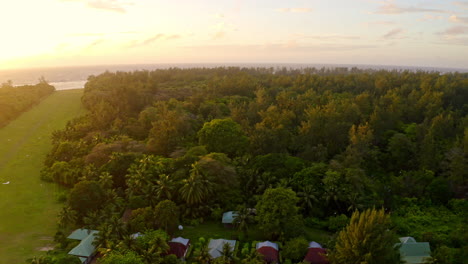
<point>63,77</point>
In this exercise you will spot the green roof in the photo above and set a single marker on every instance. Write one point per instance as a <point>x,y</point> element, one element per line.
<point>228,217</point>
<point>85,248</point>
<point>414,252</point>
<point>80,234</point>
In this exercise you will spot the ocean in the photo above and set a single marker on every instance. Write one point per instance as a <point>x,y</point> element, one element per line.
<point>65,78</point>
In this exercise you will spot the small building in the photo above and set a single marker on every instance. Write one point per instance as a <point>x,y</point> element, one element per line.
<point>316,254</point>
<point>179,246</point>
<point>85,250</point>
<point>412,252</point>
<point>269,250</point>
<point>215,247</point>
<point>229,218</point>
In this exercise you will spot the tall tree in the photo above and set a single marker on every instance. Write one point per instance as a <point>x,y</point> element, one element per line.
<point>275,209</point>
<point>167,215</point>
<point>223,135</point>
<point>366,240</point>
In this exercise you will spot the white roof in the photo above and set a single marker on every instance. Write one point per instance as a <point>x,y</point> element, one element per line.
<point>136,235</point>
<point>215,247</point>
<point>314,244</point>
<point>267,244</point>
<point>181,240</point>
<point>407,240</point>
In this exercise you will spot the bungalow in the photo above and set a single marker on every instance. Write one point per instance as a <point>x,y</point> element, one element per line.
<point>229,218</point>
<point>215,247</point>
<point>316,254</point>
<point>85,250</point>
<point>269,250</point>
<point>412,252</point>
<point>179,246</point>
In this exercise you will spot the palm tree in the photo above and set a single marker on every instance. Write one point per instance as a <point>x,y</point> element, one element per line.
<point>202,254</point>
<point>195,188</point>
<point>308,197</point>
<point>165,186</point>
<point>227,254</point>
<point>253,258</point>
<point>150,192</point>
<point>67,217</point>
<point>243,219</point>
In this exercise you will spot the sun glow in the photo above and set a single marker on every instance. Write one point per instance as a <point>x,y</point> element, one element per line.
<point>86,32</point>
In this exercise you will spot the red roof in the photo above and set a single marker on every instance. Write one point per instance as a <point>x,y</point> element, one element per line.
<point>269,254</point>
<point>177,249</point>
<point>316,256</point>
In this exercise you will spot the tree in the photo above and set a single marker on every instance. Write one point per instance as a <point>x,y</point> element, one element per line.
<point>195,188</point>
<point>275,209</point>
<point>86,196</point>
<point>202,254</point>
<point>253,258</point>
<point>152,245</point>
<point>366,240</point>
<point>122,258</point>
<point>223,135</point>
<point>295,249</point>
<point>167,215</point>
<point>227,255</point>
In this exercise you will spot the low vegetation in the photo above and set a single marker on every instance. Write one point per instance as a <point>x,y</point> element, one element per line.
<point>16,100</point>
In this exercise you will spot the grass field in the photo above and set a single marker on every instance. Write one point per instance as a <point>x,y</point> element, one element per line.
<point>28,207</point>
<point>216,230</point>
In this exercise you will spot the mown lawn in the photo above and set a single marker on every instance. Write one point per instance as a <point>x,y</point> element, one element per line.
<point>28,206</point>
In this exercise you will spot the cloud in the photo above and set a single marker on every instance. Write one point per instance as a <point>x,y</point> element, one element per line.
<point>454,31</point>
<point>389,8</point>
<point>461,4</point>
<point>458,19</point>
<point>219,35</point>
<point>384,23</point>
<point>153,39</point>
<point>295,10</point>
<point>222,28</point>
<point>95,43</point>
<point>394,34</point>
<point>106,5</point>
<point>327,37</point>
<point>429,17</point>
<point>101,34</point>
<point>289,46</point>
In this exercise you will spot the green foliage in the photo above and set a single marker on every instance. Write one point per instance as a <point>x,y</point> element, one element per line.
<point>86,196</point>
<point>437,225</point>
<point>340,139</point>
<point>367,239</point>
<point>295,249</point>
<point>223,135</point>
<point>275,209</point>
<point>142,219</point>
<point>152,245</point>
<point>336,223</point>
<point>16,100</point>
<point>122,258</point>
<point>167,215</point>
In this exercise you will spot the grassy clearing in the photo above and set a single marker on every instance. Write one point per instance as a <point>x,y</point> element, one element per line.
<point>28,207</point>
<point>216,230</point>
<point>207,230</point>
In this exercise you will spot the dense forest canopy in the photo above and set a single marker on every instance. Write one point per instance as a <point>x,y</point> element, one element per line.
<point>330,141</point>
<point>16,100</point>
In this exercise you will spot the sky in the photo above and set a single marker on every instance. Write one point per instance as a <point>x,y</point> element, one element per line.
<point>53,33</point>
